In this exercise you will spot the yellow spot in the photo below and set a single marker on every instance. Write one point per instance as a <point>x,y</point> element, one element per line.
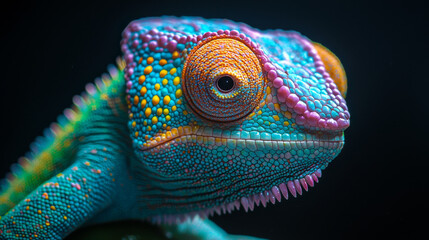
<point>176,54</point>
<point>164,81</point>
<point>136,100</point>
<point>159,111</point>
<point>147,70</point>
<point>173,71</point>
<point>166,111</point>
<point>65,217</point>
<point>173,108</point>
<point>87,163</point>
<point>143,91</point>
<point>163,73</point>
<point>149,128</point>
<point>53,208</point>
<point>286,123</point>
<point>162,62</point>
<point>157,86</point>
<point>39,211</point>
<point>142,78</point>
<point>268,90</point>
<point>145,122</point>
<point>178,93</point>
<point>176,81</point>
<point>277,107</point>
<point>143,103</point>
<point>147,112</point>
<point>140,60</point>
<point>259,112</point>
<point>155,100</point>
<point>185,112</point>
<point>167,117</point>
<point>27,208</point>
<point>276,117</point>
<point>166,100</point>
<point>179,101</point>
<point>154,120</point>
<point>136,134</point>
<point>130,116</point>
<point>287,114</point>
<point>149,60</point>
<point>134,124</point>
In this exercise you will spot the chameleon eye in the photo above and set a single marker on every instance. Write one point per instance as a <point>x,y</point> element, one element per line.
<point>222,79</point>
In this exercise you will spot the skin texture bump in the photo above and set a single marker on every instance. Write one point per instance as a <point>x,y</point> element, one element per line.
<point>199,117</point>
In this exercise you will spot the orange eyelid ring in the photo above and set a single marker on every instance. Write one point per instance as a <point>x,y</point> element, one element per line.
<point>210,61</point>
<point>333,66</point>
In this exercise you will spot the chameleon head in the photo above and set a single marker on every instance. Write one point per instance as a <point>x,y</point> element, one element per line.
<point>222,119</point>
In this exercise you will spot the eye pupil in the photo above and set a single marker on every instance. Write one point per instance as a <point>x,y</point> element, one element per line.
<point>225,83</point>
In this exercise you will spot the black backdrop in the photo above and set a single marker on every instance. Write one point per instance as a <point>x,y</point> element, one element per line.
<point>375,187</point>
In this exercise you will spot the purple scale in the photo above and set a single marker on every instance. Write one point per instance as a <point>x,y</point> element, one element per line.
<point>300,107</point>
<point>182,40</point>
<point>292,100</point>
<point>313,118</point>
<point>206,35</point>
<point>322,123</point>
<point>283,93</point>
<point>162,41</point>
<point>272,74</point>
<point>332,124</point>
<point>153,31</point>
<point>171,46</point>
<point>342,123</point>
<point>153,45</point>
<point>278,82</point>
<point>268,66</point>
<point>234,33</point>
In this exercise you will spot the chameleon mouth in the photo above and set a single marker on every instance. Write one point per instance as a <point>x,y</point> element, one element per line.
<point>247,139</point>
<point>275,194</point>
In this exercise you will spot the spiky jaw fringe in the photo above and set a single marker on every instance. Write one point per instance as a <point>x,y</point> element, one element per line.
<point>273,195</point>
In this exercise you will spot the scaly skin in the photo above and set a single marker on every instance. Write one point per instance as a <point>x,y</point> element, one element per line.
<point>203,117</point>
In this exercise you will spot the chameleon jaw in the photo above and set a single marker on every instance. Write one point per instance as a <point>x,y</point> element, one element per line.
<point>273,191</point>
<point>293,187</point>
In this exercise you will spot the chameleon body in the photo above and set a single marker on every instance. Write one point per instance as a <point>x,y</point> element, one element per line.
<point>200,117</point>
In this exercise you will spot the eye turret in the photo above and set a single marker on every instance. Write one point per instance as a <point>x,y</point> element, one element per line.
<point>223,80</point>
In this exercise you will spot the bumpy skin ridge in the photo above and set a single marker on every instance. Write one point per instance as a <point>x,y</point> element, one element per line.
<point>164,139</point>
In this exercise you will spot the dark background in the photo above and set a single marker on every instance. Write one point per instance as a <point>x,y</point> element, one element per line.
<point>377,185</point>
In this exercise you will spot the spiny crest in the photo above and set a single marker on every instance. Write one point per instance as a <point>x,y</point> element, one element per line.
<point>38,158</point>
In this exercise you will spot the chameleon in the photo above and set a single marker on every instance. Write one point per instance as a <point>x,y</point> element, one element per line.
<point>199,117</point>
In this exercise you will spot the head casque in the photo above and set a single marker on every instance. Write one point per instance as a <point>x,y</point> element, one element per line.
<point>222,114</point>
